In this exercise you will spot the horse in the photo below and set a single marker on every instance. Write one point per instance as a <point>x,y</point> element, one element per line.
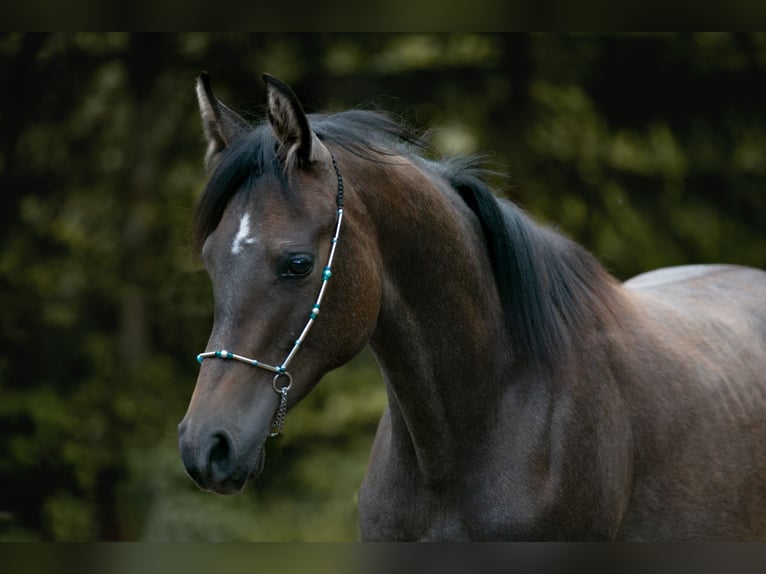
<point>531,395</point>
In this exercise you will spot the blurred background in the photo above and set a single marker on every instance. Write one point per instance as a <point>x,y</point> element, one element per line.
<point>648,149</point>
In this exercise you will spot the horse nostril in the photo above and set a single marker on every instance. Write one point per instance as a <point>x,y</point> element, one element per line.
<point>222,457</point>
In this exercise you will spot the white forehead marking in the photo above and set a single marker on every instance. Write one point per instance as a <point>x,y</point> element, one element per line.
<point>243,235</point>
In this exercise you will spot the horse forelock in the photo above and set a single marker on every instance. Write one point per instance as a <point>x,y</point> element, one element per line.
<point>241,164</point>
<point>368,135</point>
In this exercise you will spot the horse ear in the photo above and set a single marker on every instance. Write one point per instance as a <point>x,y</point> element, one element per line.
<point>220,124</point>
<point>289,122</point>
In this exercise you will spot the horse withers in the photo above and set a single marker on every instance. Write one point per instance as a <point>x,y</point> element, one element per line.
<point>530,394</point>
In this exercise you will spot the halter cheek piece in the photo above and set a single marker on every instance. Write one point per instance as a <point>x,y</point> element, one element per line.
<point>280,371</point>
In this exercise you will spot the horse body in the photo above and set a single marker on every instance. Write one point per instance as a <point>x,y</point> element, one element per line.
<point>649,427</point>
<point>530,395</point>
<point>650,430</point>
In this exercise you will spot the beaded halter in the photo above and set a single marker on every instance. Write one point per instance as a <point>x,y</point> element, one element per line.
<point>280,371</point>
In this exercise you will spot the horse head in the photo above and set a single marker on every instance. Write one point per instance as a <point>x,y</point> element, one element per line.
<point>268,229</point>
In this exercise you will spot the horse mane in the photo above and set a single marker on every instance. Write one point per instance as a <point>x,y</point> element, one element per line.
<point>549,286</point>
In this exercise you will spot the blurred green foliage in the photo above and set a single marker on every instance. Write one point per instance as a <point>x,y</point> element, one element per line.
<point>648,149</point>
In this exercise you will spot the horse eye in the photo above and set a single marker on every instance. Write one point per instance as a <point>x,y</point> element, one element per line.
<point>298,266</point>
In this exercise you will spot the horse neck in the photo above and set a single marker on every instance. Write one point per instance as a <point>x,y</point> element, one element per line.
<point>440,338</point>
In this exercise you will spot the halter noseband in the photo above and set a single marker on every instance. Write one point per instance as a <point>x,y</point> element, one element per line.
<point>281,370</point>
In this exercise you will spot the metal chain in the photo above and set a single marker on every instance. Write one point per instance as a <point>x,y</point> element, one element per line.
<point>279,421</point>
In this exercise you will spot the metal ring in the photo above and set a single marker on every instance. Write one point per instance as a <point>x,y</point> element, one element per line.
<point>280,390</point>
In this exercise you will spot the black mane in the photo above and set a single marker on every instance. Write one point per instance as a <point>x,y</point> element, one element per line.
<point>550,287</point>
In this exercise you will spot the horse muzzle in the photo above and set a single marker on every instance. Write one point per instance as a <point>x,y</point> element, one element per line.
<point>214,462</point>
